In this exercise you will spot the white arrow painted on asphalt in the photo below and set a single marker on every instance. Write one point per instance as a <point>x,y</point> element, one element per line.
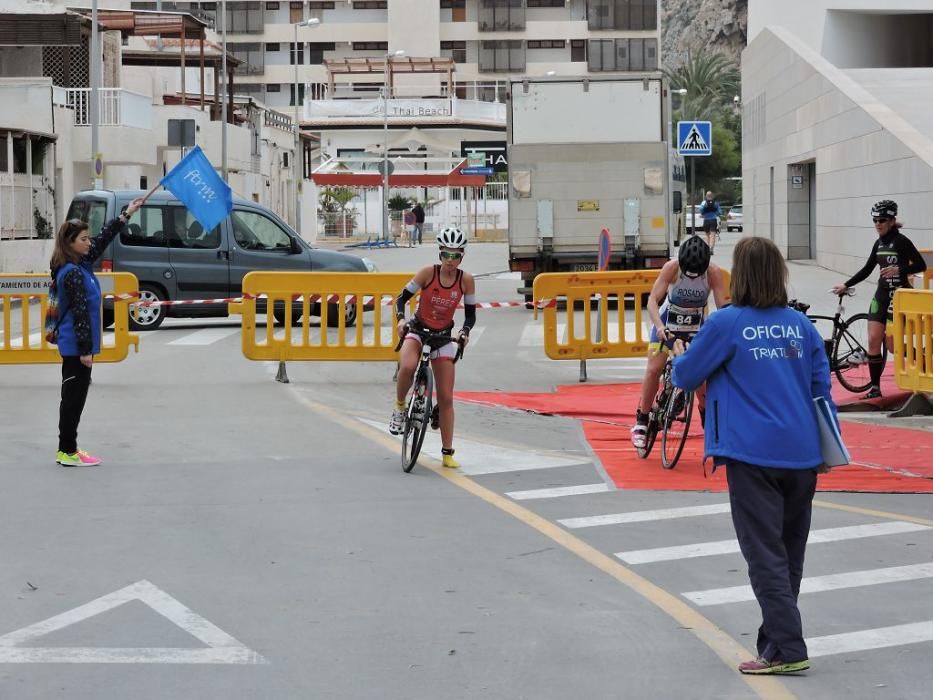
<point>221,648</point>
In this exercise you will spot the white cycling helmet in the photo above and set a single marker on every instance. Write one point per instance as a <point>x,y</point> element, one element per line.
<point>451,237</point>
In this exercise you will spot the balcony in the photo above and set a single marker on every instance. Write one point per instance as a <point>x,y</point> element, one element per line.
<point>118,107</point>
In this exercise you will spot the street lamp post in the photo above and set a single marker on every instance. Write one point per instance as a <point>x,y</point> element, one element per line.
<point>313,22</point>
<point>385,144</point>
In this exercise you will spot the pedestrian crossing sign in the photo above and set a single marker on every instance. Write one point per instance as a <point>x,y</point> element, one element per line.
<point>695,138</point>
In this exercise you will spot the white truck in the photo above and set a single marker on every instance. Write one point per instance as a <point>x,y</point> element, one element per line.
<point>586,154</point>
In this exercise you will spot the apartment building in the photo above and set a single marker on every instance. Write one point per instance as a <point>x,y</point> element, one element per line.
<point>486,39</point>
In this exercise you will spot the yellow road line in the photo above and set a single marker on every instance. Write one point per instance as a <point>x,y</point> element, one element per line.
<point>873,513</point>
<point>721,644</point>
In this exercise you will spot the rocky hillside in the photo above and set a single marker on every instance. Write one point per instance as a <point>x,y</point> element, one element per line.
<point>699,25</point>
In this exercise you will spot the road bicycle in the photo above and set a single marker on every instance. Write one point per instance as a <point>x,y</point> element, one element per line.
<point>847,346</point>
<point>670,414</point>
<point>420,410</point>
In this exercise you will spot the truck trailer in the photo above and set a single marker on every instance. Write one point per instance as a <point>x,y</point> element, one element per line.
<point>587,154</point>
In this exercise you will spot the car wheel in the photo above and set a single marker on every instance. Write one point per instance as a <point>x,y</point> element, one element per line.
<point>278,313</point>
<point>106,318</point>
<point>349,320</point>
<point>148,318</point>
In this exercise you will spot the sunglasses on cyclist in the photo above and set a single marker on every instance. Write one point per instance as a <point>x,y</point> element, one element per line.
<point>880,219</point>
<point>447,255</point>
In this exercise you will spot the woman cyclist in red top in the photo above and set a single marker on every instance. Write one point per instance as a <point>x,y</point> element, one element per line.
<point>443,288</point>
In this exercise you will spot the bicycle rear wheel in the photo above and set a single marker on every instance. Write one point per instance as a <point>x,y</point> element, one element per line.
<point>676,426</point>
<point>850,354</point>
<point>417,417</point>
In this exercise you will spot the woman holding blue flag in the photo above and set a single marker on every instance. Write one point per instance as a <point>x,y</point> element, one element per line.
<point>764,364</point>
<point>79,326</point>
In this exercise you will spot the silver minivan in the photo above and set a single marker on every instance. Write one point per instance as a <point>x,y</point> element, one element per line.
<point>174,258</point>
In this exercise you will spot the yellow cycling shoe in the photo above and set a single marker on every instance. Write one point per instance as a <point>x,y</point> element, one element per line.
<point>447,459</point>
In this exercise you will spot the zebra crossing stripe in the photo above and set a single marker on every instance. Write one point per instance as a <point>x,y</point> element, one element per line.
<point>818,584</point>
<point>205,336</point>
<point>877,638</point>
<point>644,516</point>
<point>557,492</point>
<point>707,549</point>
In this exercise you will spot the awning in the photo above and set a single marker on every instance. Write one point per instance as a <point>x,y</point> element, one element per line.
<point>360,171</point>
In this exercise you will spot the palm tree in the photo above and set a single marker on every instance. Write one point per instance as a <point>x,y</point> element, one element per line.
<point>711,79</point>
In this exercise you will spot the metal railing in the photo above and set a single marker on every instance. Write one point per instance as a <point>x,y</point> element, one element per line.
<point>118,107</point>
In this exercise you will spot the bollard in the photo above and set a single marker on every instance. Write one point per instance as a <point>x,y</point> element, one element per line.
<point>281,375</point>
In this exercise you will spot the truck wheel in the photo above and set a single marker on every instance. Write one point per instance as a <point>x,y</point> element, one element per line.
<point>529,301</point>
<point>148,318</point>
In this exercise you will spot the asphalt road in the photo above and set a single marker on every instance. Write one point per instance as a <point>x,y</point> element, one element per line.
<point>247,539</point>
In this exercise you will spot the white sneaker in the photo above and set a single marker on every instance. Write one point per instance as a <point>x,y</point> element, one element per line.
<point>397,421</point>
<point>639,435</point>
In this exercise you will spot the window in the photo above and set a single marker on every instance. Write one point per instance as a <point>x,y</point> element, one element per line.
<point>251,55</point>
<point>578,51</point>
<point>501,56</point>
<point>370,5</point>
<point>316,52</point>
<point>296,53</point>
<point>146,228</point>
<point>93,212</point>
<point>622,14</point>
<point>253,231</point>
<point>273,87</point>
<point>187,232</point>
<point>272,5</point>
<point>545,3</point>
<point>622,55</point>
<point>321,5</point>
<point>273,47</point>
<point>546,44</point>
<point>452,4</point>
<point>245,17</point>
<point>370,45</point>
<point>301,94</point>
<point>456,49</point>
<point>501,15</point>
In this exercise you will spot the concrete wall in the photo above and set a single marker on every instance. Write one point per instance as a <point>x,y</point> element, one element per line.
<point>799,108</point>
<point>20,61</point>
<point>808,18</point>
<point>25,256</point>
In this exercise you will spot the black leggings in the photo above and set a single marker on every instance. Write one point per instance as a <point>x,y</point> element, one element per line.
<point>76,378</point>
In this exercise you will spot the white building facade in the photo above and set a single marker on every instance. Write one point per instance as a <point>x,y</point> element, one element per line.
<point>837,114</point>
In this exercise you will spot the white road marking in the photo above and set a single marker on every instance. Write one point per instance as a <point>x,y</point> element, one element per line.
<point>557,492</point>
<point>706,549</point>
<point>644,516</point>
<point>206,336</point>
<point>818,584</point>
<point>482,458</point>
<point>221,647</point>
<point>877,638</point>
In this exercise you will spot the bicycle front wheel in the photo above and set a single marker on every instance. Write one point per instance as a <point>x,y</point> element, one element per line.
<point>850,354</point>
<point>676,426</point>
<point>417,417</point>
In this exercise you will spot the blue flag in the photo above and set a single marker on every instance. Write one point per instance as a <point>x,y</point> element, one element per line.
<point>195,182</point>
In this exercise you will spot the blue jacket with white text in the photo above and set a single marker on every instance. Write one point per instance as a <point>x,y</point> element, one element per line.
<point>763,367</point>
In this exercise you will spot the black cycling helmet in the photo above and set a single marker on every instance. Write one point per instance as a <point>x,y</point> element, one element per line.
<point>694,256</point>
<point>885,207</point>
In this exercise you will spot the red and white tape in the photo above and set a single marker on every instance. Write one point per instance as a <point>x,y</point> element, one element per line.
<point>368,301</point>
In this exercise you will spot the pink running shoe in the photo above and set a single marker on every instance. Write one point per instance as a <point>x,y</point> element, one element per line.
<point>88,460</point>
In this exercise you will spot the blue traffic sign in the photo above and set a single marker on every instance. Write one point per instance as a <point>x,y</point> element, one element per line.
<point>477,171</point>
<point>605,250</point>
<point>695,138</point>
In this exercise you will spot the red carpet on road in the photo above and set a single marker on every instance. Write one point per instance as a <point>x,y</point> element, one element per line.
<point>885,459</point>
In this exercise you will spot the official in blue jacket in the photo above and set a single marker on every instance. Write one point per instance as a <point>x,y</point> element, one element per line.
<point>79,325</point>
<point>763,364</point>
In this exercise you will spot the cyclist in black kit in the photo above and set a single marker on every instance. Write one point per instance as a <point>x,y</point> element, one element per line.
<point>898,259</point>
